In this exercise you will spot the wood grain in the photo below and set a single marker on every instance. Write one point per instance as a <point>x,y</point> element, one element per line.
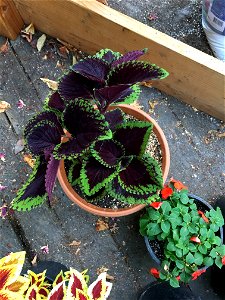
<point>10,19</point>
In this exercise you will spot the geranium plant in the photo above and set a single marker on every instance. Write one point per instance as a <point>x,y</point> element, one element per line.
<point>186,234</point>
<point>66,286</point>
<point>105,149</point>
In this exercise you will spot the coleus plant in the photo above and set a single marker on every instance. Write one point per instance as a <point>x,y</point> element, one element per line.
<point>106,150</point>
<point>186,235</point>
<point>70,285</point>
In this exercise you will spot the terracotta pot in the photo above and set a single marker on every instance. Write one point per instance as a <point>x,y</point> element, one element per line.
<point>108,212</point>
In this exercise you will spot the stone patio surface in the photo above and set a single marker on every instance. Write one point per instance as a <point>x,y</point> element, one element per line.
<point>197,158</point>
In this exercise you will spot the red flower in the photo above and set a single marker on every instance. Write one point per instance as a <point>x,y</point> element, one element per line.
<point>154,272</point>
<point>178,278</point>
<point>178,184</point>
<point>197,273</point>
<point>166,192</point>
<point>195,239</point>
<point>156,205</point>
<point>203,216</point>
<point>223,260</point>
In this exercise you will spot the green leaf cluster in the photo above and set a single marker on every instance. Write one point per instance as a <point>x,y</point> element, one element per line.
<point>174,223</point>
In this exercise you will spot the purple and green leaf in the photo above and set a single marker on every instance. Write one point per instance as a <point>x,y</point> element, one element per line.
<point>114,117</point>
<point>131,55</point>
<point>92,68</point>
<point>132,72</point>
<point>33,192</point>
<point>108,152</point>
<point>42,136</point>
<point>55,103</point>
<point>108,55</point>
<point>50,176</point>
<point>141,176</point>
<point>111,94</point>
<point>95,176</point>
<point>85,123</point>
<point>74,85</point>
<point>134,136</point>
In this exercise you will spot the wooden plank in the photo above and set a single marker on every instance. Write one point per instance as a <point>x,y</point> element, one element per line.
<point>195,77</point>
<point>10,19</point>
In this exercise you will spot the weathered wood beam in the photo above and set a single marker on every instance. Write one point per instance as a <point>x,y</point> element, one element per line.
<point>10,19</point>
<point>195,77</point>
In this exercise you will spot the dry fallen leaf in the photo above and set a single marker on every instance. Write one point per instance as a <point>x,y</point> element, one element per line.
<point>41,42</point>
<point>74,61</point>
<point>19,146</point>
<point>4,106</point>
<point>29,160</point>
<point>103,2</point>
<point>5,47</point>
<point>101,225</point>
<point>220,135</point>
<point>63,51</point>
<point>136,105</point>
<point>68,46</point>
<point>34,260</point>
<point>75,243</point>
<point>50,83</point>
<point>146,83</point>
<point>152,105</point>
<point>104,269</point>
<point>29,29</point>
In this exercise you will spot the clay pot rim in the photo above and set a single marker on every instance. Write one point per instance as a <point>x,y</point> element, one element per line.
<point>109,212</point>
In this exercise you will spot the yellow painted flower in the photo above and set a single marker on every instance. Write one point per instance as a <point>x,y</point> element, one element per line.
<point>12,285</point>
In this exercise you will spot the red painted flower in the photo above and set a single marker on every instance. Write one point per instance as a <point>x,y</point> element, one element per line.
<point>166,192</point>
<point>203,216</point>
<point>178,278</point>
<point>154,272</point>
<point>197,273</point>
<point>195,239</point>
<point>223,260</point>
<point>178,184</point>
<point>156,205</point>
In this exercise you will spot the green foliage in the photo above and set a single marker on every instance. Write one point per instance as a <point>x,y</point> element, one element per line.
<point>176,222</point>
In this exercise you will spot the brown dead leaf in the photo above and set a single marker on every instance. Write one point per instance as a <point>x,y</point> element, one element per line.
<point>41,42</point>
<point>34,260</point>
<point>101,225</point>
<point>53,85</point>
<point>104,269</point>
<point>221,135</point>
<point>136,105</point>
<point>29,29</point>
<point>5,47</point>
<point>4,106</point>
<point>101,270</point>
<point>29,160</point>
<point>74,243</point>
<point>63,51</point>
<point>68,46</point>
<point>146,83</point>
<point>152,105</point>
<point>28,37</point>
<point>103,2</point>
